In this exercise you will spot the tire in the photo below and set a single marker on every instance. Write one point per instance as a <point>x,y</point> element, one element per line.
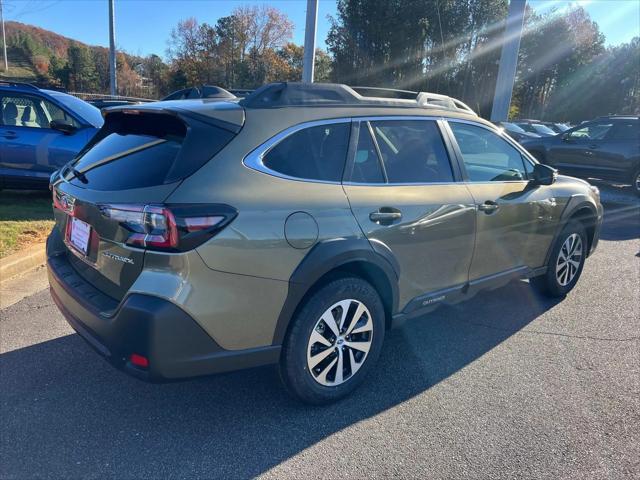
<point>635,182</point>
<point>561,275</point>
<point>309,364</point>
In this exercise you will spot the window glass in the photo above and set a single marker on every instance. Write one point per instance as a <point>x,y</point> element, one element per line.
<point>486,156</point>
<point>314,153</point>
<point>366,165</point>
<point>29,111</point>
<point>412,151</point>
<point>147,165</point>
<point>53,112</point>
<point>591,131</point>
<point>626,131</point>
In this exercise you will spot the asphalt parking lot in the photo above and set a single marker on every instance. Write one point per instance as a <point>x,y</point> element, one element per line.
<point>506,385</point>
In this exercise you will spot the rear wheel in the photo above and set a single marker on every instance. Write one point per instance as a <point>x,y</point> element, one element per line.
<point>635,182</point>
<point>565,262</point>
<point>334,341</point>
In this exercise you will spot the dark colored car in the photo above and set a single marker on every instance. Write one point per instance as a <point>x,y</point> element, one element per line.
<point>203,91</point>
<point>607,148</point>
<point>296,226</point>
<point>537,128</point>
<point>516,132</point>
<point>40,131</point>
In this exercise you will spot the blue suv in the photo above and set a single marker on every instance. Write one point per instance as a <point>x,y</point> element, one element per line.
<point>40,131</point>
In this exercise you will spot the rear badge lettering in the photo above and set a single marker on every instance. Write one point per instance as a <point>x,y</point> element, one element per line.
<point>119,258</point>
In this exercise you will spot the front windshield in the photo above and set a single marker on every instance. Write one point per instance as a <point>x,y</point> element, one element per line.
<point>88,112</point>
<point>512,127</point>
<point>562,127</point>
<point>543,129</point>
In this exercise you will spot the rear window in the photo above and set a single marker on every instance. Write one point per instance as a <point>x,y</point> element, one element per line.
<point>314,153</point>
<point>138,151</point>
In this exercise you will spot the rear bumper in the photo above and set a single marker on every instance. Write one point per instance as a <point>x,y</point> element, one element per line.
<point>175,345</point>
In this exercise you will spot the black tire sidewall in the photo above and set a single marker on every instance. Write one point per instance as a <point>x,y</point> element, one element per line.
<point>553,286</point>
<point>293,365</point>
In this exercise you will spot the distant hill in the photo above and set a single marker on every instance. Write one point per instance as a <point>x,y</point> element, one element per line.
<point>32,49</point>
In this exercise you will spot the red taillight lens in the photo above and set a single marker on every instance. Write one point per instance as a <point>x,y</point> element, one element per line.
<point>171,228</point>
<point>139,360</point>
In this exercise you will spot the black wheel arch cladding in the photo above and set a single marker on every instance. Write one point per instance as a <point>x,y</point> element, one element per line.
<point>332,255</point>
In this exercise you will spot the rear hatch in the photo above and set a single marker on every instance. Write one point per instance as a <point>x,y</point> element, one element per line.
<point>108,202</point>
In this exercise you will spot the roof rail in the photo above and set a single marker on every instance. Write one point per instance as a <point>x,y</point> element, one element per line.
<point>435,100</point>
<point>385,92</point>
<point>285,94</point>
<point>18,84</point>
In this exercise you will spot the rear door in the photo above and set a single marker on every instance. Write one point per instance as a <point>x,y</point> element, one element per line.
<point>403,192</point>
<point>515,221</point>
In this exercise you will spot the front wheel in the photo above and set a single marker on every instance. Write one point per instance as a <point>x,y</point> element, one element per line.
<point>334,341</point>
<point>565,262</point>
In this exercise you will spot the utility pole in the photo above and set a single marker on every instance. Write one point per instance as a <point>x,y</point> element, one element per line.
<point>4,40</point>
<point>508,61</point>
<point>310,41</point>
<point>113,81</point>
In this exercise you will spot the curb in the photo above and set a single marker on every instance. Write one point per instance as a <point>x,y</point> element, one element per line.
<point>22,261</point>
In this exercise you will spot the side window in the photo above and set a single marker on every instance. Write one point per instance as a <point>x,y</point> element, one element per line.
<point>591,131</point>
<point>53,112</point>
<point>486,156</point>
<point>314,153</point>
<point>20,111</point>
<point>31,111</point>
<point>366,164</point>
<point>412,151</point>
<point>626,131</point>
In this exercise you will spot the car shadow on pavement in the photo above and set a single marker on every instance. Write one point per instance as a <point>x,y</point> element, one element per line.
<point>67,413</point>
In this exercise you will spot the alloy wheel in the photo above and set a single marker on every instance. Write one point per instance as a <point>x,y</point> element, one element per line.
<point>569,259</point>
<point>340,342</point>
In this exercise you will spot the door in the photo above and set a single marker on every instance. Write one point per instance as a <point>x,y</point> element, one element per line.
<point>28,146</point>
<point>580,151</point>
<point>402,190</point>
<point>515,221</point>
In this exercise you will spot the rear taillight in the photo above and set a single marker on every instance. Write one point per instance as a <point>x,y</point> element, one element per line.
<point>174,228</point>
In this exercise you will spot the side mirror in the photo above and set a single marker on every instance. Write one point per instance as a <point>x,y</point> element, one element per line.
<point>62,126</point>
<point>543,174</point>
<point>565,137</point>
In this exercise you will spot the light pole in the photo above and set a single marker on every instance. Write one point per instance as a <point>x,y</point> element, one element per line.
<point>113,81</point>
<point>310,41</point>
<point>4,40</point>
<point>508,61</point>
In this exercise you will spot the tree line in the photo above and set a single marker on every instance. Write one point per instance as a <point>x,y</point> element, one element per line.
<point>565,72</point>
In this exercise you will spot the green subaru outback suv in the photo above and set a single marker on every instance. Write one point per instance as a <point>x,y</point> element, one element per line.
<point>296,226</point>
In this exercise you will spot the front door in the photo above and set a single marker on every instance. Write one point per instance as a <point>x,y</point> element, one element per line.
<point>402,190</point>
<point>515,221</point>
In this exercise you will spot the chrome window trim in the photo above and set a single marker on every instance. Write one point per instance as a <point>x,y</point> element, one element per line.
<point>254,159</point>
<point>526,156</point>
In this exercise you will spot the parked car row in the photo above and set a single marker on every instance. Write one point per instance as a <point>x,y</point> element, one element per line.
<point>41,130</point>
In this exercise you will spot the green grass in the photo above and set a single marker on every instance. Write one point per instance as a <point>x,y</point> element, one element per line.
<point>25,218</point>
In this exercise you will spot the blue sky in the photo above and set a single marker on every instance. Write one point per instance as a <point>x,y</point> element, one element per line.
<point>143,26</point>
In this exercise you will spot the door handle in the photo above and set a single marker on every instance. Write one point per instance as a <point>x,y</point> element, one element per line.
<point>385,216</point>
<point>488,207</point>
<point>594,147</point>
